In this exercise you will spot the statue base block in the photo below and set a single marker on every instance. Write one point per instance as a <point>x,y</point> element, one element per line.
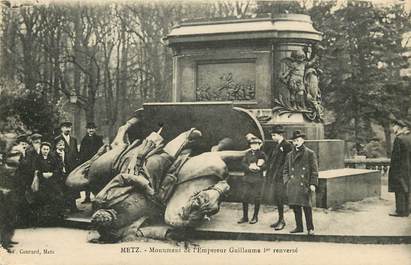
<point>292,122</point>
<point>330,153</point>
<point>348,184</point>
<point>335,187</point>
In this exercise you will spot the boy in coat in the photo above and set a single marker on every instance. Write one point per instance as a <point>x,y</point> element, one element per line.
<point>254,163</point>
<point>301,177</point>
<point>275,169</point>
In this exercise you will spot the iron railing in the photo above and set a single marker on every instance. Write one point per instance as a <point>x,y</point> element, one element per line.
<point>382,164</point>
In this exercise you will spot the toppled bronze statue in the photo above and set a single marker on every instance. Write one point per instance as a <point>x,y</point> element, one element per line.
<point>151,189</point>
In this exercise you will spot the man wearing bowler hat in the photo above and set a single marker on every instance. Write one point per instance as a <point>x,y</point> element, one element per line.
<point>301,178</point>
<point>88,148</point>
<point>71,157</point>
<point>399,176</point>
<point>274,175</point>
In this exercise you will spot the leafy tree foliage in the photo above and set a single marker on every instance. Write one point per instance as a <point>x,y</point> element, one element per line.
<point>361,62</point>
<point>24,111</point>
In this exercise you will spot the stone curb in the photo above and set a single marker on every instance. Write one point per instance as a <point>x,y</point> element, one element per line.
<point>345,239</point>
<point>85,224</point>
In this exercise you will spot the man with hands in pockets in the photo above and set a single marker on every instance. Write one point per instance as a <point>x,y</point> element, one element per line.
<point>301,179</point>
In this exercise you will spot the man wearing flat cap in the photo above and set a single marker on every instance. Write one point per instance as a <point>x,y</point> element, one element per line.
<point>89,146</point>
<point>71,157</point>
<point>26,171</point>
<point>301,178</point>
<point>399,176</point>
<point>274,175</point>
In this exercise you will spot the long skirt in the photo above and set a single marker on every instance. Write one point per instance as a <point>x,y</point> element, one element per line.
<point>251,191</point>
<point>49,203</point>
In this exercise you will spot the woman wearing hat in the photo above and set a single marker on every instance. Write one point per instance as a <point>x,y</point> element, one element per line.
<point>47,187</point>
<point>301,177</point>
<point>254,163</point>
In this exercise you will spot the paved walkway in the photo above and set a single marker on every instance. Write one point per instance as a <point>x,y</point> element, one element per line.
<point>368,217</point>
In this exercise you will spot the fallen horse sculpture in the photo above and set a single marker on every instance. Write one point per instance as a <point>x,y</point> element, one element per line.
<point>151,189</point>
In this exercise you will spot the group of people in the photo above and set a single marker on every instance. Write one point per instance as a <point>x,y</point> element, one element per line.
<point>39,169</point>
<point>290,173</point>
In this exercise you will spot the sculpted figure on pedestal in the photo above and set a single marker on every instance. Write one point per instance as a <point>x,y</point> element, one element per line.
<point>301,80</point>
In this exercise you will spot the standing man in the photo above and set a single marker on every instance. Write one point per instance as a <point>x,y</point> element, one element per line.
<point>26,172</point>
<point>71,157</point>
<point>14,177</point>
<point>301,178</point>
<point>400,169</point>
<point>275,170</point>
<point>27,162</point>
<point>89,147</point>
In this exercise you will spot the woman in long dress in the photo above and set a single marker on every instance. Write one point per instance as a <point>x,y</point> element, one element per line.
<point>49,194</point>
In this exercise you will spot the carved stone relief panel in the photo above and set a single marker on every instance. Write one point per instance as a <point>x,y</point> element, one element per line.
<point>226,81</point>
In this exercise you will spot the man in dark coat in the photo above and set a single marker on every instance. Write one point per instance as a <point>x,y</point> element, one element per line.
<point>71,157</point>
<point>88,148</point>
<point>26,170</point>
<point>301,177</point>
<point>70,146</point>
<point>400,168</point>
<point>11,197</point>
<point>275,181</point>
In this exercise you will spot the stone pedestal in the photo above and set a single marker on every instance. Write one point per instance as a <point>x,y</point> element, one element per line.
<point>341,185</point>
<point>312,130</point>
<point>330,153</point>
<point>335,187</point>
<point>243,61</point>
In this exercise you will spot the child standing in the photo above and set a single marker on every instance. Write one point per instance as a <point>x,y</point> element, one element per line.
<point>254,163</point>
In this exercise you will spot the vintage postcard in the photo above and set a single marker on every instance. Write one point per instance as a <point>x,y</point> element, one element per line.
<point>205,132</point>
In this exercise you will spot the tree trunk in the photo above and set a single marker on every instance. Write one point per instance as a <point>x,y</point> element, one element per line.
<point>76,70</point>
<point>92,89</point>
<point>122,88</point>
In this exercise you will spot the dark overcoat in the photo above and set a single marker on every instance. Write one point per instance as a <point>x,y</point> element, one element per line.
<point>26,167</point>
<point>71,152</point>
<point>275,190</point>
<point>400,168</point>
<point>89,146</point>
<point>252,157</point>
<point>49,197</point>
<point>300,171</point>
<point>253,180</point>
